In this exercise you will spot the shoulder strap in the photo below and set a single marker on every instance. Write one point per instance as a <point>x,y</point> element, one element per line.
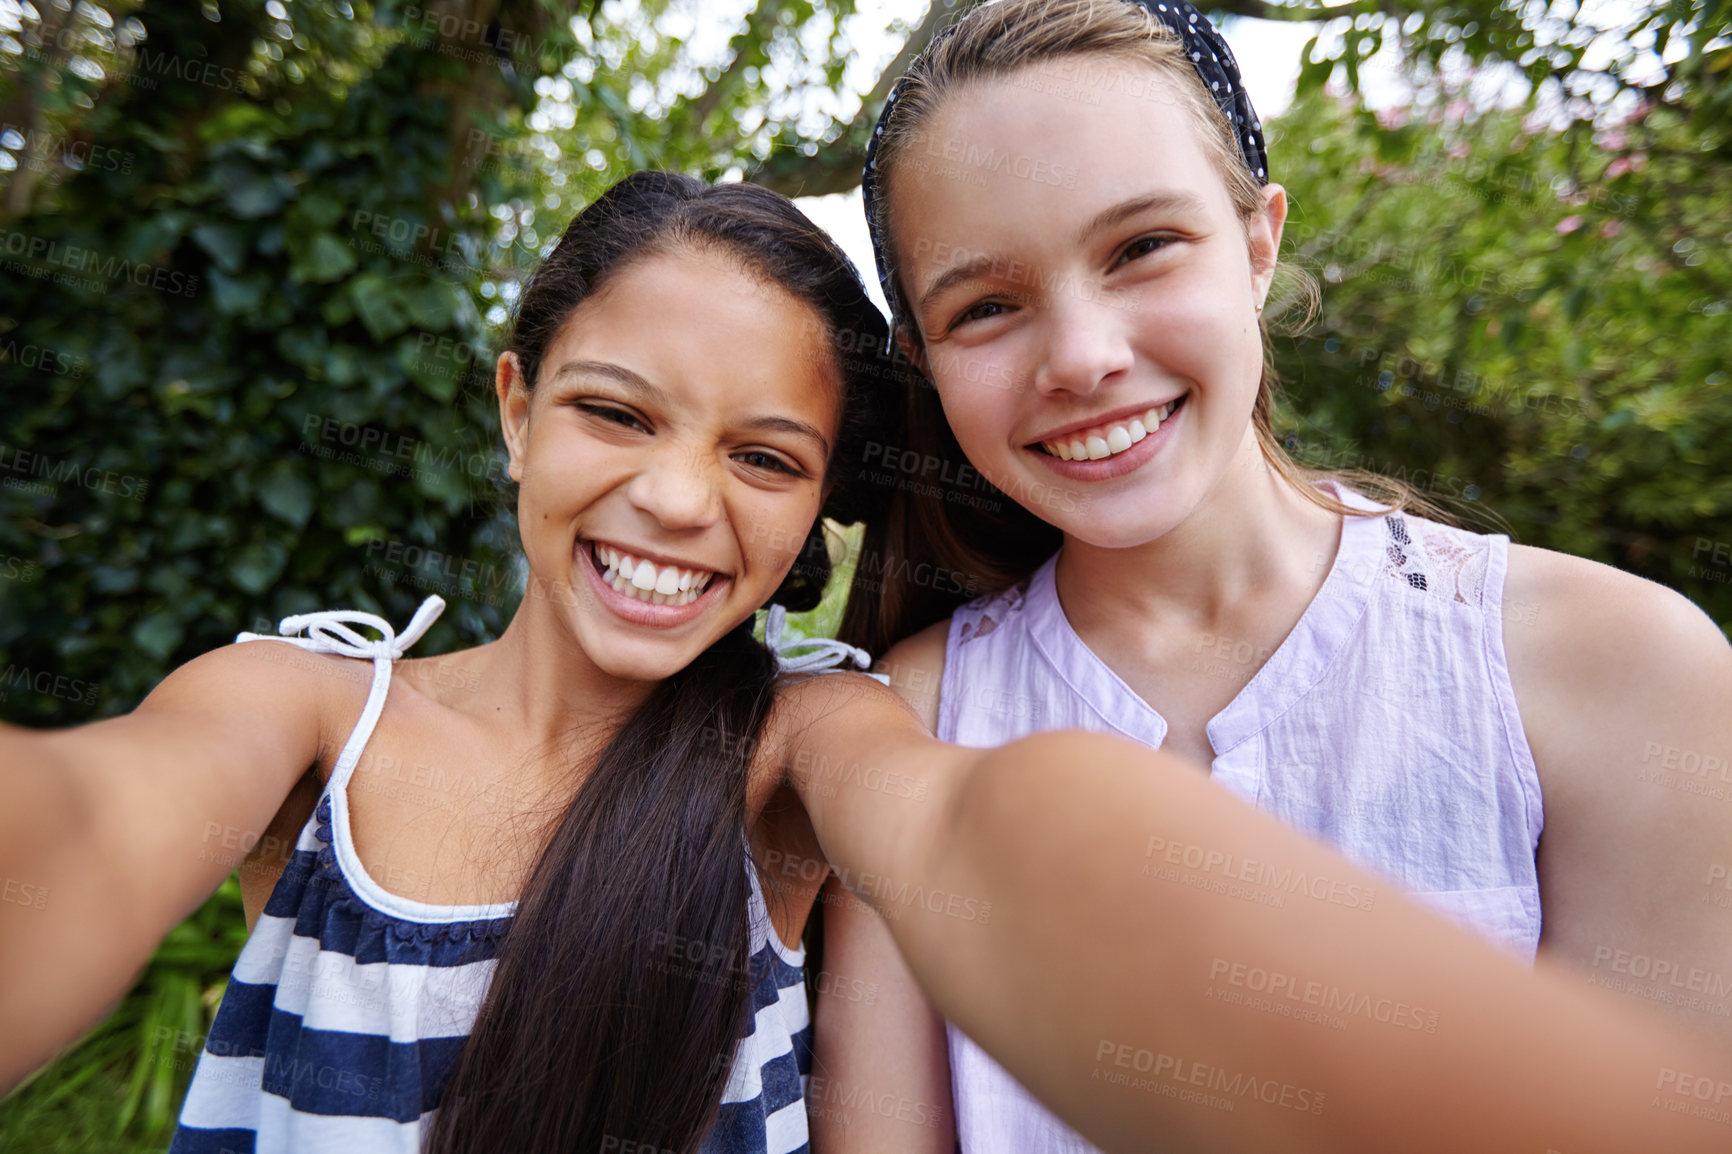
<point>329,631</point>
<point>827,654</point>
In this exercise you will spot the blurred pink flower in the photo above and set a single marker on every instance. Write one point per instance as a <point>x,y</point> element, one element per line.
<point>1568,225</point>
<point>1458,150</point>
<point>1392,117</point>
<point>1641,110</point>
<point>1614,140</point>
<point>1457,110</point>
<point>1611,228</point>
<point>1618,168</point>
<point>1638,161</point>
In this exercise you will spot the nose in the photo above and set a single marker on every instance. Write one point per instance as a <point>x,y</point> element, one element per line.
<point>1084,342</point>
<point>679,488</point>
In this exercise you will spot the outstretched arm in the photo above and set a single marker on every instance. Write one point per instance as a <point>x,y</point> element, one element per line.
<point>1237,990</point>
<point>879,1046</point>
<point>122,827</point>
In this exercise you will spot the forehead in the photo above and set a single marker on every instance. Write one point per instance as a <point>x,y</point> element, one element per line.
<point>1044,148</point>
<point>699,321</point>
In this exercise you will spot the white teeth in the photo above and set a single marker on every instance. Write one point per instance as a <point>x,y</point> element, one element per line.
<point>647,581</point>
<point>1116,439</point>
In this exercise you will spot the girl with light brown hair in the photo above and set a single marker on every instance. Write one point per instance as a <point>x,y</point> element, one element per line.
<point>1077,234</point>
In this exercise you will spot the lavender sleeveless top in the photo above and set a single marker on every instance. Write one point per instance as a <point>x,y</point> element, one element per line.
<point>1385,724</point>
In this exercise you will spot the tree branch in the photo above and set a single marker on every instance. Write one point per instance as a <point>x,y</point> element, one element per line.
<point>912,47</point>
<point>836,166</point>
<point>762,18</point>
<point>1261,10</point>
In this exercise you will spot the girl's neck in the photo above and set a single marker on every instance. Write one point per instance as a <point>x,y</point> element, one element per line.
<point>538,689</point>
<point>1252,536</point>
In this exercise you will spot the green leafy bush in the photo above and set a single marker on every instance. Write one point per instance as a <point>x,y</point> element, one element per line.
<point>1516,321</point>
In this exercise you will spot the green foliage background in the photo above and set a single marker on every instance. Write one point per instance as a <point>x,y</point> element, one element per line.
<point>1524,322</point>
<point>256,257</point>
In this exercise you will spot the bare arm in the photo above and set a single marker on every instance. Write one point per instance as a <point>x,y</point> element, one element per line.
<point>881,1070</point>
<point>1625,690</point>
<point>881,1061</point>
<point>1375,1026</point>
<point>123,826</point>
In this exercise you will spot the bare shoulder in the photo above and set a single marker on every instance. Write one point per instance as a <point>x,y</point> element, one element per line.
<point>1603,660</point>
<point>251,667</point>
<point>272,685</point>
<point>836,704</point>
<point>915,666</point>
<point>1591,622</point>
<point>826,718</point>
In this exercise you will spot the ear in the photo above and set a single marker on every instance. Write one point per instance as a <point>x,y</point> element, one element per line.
<point>1264,236</point>
<point>514,398</point>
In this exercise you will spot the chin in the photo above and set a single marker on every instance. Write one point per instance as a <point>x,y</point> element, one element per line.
<point>1118,537</point>
<point>647,663</point>
<point>1127,519</point>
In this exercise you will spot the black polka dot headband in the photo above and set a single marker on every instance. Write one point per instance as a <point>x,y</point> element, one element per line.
<point>1208,53</point>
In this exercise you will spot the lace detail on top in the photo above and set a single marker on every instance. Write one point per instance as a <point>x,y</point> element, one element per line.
<point>1450,565</point>
<point>981,617</point>
<point>1385,724</point>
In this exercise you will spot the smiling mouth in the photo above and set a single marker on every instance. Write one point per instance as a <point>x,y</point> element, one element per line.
<point>1099,442</point>
<point>647,581</point>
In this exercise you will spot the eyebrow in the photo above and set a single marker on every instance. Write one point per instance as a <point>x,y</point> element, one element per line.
<point>789,425</point>
<point>617,373</point>
<point>636,384</point>
<point>953,276</point>
<point>1177,202</point>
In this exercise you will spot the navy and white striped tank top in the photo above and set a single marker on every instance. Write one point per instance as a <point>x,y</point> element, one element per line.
<point>349,1004</point>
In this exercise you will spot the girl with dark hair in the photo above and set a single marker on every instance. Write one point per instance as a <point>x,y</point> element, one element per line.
<point>1071,206</point>
<point>545,933</point>
<point>571,925</point>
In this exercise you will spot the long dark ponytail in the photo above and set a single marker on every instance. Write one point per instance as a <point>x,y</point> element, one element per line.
<point>621,989</point>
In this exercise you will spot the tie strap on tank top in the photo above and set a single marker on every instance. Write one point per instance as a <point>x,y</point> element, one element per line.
<point>827,653</point>
<point>328,631</point>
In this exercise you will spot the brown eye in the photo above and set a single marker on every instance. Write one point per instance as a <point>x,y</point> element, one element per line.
<point>979,312</point>
<point>612,416</point>
<point>1143,246</point>
<point>768,461</point>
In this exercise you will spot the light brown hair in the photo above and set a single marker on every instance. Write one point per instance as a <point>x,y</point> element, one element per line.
<point>995,541</point>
